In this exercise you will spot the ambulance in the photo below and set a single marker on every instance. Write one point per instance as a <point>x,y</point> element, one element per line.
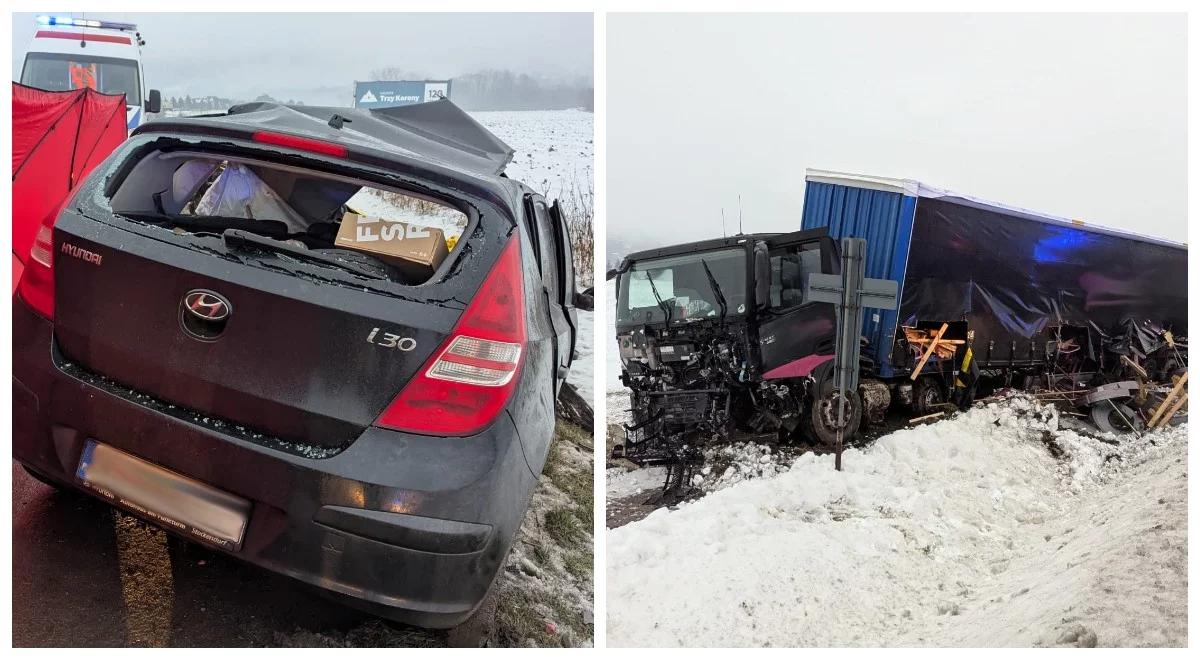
<point>73,53</point>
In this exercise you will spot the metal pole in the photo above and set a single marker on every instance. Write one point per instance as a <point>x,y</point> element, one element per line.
<point>849,292</point>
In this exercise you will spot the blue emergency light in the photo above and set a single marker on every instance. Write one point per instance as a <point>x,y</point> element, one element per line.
<point>79,22</point>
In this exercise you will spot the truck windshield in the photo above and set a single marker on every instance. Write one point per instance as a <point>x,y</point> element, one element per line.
<point>63,72</point>
<point>684,287</point>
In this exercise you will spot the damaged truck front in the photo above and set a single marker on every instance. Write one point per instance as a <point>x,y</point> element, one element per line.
<point>717,336</point>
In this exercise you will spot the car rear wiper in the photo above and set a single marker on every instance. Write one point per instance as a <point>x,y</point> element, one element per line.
<point>213,224</point>
<point>239,238</point>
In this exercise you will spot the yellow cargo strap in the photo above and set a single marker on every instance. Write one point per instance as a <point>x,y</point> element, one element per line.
<point>966,364</point>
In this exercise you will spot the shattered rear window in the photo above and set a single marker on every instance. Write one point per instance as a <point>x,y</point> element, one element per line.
<point>299,212</point>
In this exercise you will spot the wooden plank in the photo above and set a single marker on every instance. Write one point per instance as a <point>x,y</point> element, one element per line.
<point>1136,367</point>
<point>929,351</point>
<point>1174,409</point>
<point>925,417</point>
<point>1170,399</point>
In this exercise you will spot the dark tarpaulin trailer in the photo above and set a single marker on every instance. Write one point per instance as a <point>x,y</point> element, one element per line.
<point>1010,273</point>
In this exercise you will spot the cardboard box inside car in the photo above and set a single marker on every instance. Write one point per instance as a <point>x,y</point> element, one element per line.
<point>414,250</point>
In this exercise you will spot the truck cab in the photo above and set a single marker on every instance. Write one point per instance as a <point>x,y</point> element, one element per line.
<point>73,53</point>
<point>718,336</point>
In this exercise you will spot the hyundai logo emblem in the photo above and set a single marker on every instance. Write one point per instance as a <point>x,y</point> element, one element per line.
<point>206,305</point>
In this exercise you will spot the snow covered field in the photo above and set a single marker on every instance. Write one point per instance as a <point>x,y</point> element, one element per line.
<point>999,527</point>
<point>553,147</point>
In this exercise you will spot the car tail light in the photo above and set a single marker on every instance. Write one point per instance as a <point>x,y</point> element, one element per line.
<point>472,375</point>
<point>37,280</point>
<point>300,143</point>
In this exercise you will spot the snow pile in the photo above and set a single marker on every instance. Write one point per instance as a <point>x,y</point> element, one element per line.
<point>730,464</point>
<point>724,466</point>
<point>583,369</point>
<point>619,482</point>
<point>618,411</point>
<point>993,528</point>
<point>616,389</point>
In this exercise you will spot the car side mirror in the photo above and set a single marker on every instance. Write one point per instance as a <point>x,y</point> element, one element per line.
<point>154,101</point>
<point>586,299</point>
<point>762,277</point>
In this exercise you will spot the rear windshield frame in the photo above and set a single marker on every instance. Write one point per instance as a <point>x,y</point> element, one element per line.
<point>452,203</point>
<point>489,220</point>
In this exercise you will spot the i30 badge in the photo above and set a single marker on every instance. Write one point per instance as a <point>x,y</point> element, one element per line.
<point>206,305</point>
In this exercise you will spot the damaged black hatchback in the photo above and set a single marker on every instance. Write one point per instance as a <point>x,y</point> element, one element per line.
<point>198,340</point>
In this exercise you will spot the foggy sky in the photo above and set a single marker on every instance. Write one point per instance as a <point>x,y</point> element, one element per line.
<point>316,57</point>
<point>1078,116</point>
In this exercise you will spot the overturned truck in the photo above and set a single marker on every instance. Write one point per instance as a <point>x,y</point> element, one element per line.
<point>720,336</point>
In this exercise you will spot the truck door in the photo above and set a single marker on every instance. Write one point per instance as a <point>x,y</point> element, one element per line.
<point>796,335</point>
<point>552,284</point>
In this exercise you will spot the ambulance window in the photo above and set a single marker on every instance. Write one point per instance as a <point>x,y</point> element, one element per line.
<point>63,72</point>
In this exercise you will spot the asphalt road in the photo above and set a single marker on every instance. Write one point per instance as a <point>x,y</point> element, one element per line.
<point>86,575</point>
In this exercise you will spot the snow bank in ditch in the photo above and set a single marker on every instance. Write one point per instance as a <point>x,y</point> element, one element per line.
<point>964,532</point>
<point>619,482</point>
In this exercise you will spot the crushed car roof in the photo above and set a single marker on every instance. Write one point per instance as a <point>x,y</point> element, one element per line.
<point>437,131</point>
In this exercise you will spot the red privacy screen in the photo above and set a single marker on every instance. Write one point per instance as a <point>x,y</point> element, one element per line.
<point>58,137</point>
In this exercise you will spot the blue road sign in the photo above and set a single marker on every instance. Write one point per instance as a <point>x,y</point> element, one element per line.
<point>391,93</point>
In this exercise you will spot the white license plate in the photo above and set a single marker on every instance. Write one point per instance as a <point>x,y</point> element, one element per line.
<point>166,498</point>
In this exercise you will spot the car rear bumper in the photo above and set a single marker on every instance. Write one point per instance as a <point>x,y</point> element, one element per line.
<point>410,527</point>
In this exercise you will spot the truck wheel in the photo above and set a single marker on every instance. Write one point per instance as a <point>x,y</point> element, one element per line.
<point>876,397</point>
<point>1112,417</point>
<point>926,396</point>
<point>821,418</point>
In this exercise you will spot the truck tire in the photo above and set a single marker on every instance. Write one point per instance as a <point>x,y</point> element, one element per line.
<point>876,397</point>
<point>1118,418</point>
<point>820,419</point>
<point>927,394</point>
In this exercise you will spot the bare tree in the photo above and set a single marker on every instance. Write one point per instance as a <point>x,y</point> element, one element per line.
<point>577,201</point>
<point>396,73</point>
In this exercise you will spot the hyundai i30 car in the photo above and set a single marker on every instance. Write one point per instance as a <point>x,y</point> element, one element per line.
<point>197,341</point>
